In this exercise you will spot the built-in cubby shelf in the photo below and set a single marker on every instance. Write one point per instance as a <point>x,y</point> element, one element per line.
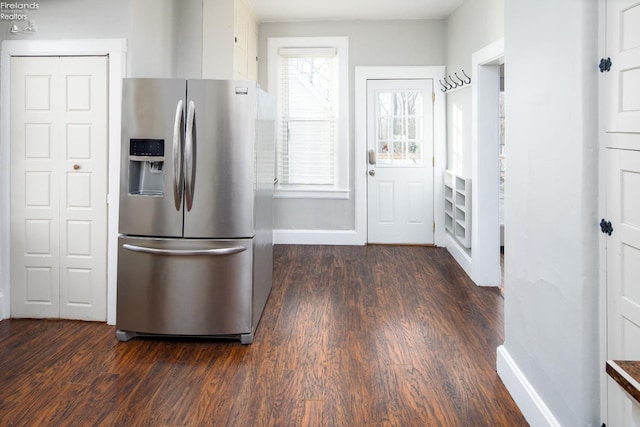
<point>448,201</point>
<point>457,207</point>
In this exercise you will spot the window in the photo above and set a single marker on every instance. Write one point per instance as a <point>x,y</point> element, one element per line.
<point>309,78</point>
<point>400,126</point>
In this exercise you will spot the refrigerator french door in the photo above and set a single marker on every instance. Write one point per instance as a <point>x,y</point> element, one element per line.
<point>197,168</point>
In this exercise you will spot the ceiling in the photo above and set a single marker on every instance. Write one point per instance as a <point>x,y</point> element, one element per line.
<point>323,10</point>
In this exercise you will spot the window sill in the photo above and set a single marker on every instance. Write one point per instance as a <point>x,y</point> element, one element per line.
<point>311,193</point>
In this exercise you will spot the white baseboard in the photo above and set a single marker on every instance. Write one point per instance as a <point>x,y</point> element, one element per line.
<point>458,253</point>
<point>531,405</point>
<point>318,237</point>
<point>4,311</point>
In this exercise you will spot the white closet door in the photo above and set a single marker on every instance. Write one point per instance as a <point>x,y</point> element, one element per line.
<point>623,271</point>
<point>623,81</point>
<point>58,187</point>
<point>622,89</point>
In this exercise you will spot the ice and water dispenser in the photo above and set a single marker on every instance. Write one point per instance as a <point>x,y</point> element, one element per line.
<point>146,165</point>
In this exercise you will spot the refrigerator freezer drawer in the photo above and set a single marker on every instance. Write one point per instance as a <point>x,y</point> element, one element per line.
<point>185,286</point>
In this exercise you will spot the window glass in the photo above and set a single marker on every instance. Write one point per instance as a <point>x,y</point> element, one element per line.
<point>306,145</point>
<point>400,126</point>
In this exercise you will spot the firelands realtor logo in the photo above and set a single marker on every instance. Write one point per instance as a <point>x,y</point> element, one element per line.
<point>14,11</point>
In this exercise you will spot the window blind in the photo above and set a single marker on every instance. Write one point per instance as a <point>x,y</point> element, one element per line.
<point>307,125</point>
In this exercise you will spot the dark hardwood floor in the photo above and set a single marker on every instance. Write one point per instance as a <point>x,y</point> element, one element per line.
<point>350,336</point>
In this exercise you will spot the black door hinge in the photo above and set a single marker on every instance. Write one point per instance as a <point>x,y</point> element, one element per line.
<point>605,65</point>
<point>606,227</point>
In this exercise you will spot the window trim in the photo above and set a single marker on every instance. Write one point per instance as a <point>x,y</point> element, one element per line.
<point>340,189</point>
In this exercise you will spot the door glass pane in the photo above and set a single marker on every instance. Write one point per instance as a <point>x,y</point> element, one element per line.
<point>399,136</point>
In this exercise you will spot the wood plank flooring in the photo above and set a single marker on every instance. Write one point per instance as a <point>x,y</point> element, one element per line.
<point>350,336</point>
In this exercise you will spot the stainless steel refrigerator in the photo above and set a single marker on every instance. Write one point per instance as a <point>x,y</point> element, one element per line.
<point>195,251</point>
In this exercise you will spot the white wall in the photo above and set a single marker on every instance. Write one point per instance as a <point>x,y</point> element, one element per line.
<point>152,45</point>
<point>419,42</point>
<point>475,28</point>
<point>474,25</point>
<point>60,19</point>
<point>551,297</point>
<point>189,41</point>
<point>164,36</point>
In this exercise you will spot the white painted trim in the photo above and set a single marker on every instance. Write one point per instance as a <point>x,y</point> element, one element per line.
<point>307,194</point>
<point>316,237</point>
<point>458,253</point>
<point>466,86</point>
<point>528,400</point>
<point>116,50</point>
<point>485,173</point>
<point>362,74</point>
<point>602,213</point>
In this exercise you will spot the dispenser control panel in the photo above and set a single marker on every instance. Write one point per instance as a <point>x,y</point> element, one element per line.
<point>146,164</point>
<point>146,147</point>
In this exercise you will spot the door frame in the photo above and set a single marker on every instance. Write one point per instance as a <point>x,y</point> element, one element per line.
<point>115,49</point>
<point>362,74</point>
<point>485,168</point>
<point>482,264</point>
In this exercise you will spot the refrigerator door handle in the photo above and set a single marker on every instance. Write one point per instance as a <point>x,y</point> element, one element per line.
<point>177,155</point>
<point>186,252</point>
<point>189,155</point>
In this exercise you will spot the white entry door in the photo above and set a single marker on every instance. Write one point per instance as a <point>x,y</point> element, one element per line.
<point>59,187</point>
<point>400,161</point>
<point>623,80</point>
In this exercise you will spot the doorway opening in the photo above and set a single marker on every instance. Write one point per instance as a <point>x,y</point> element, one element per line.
<point>362,76</point>
<point>485,269</point>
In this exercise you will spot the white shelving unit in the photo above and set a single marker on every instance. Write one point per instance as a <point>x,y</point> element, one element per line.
<point>457,207</point>
<point>449,185</point>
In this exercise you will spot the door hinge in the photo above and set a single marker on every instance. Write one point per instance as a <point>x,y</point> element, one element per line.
<point>605,227</point>
<point>605,65</point>
<point>433,97</point>
<point>433,161</point>
<point>434,226</point>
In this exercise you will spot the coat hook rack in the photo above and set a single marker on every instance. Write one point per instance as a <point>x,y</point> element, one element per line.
<point>457,82</point>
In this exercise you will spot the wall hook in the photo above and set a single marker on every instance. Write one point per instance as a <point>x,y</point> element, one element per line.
<point>469,78</point>
<point>449,83</point>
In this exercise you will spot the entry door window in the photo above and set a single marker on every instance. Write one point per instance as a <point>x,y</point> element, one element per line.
<point>399,134</point>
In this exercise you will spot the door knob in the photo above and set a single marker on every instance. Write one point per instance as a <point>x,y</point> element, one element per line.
<point>372,172</point>
<point>76,166</point>
<point>606,227</point>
